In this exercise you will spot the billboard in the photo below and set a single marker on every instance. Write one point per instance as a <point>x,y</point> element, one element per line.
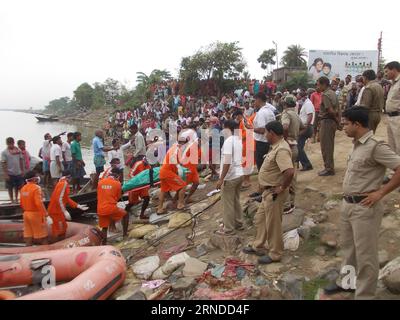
<point>336,63</point>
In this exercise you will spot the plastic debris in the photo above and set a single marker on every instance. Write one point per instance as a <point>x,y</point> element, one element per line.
<point>154,284</point>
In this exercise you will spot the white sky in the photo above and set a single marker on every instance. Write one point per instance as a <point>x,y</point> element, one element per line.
<point>49,47</point>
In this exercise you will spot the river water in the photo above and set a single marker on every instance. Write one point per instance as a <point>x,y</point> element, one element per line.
<point>24,126</point>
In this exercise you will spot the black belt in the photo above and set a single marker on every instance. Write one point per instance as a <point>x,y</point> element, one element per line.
<point>393,114</point>
<point>354,199</point>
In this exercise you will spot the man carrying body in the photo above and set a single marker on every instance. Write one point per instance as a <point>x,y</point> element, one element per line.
<point>275,177</point>
<point>35,214</point>
<point>143,194</point>
<point>169,178</point>
<point>57,206</point>
<point>372,98</point>
<point>109,192</point>
<point>362,209</point>
<point>329,116</point>
<point>13,169</point>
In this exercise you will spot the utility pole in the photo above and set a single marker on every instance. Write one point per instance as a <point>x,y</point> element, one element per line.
<point>276,50</point>
<point>379,51</point>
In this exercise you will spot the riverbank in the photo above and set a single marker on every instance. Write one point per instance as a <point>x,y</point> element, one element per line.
<point>90,119</point>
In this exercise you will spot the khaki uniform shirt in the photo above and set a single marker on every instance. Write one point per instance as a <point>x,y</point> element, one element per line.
<point>393,98</point>
<point>343,97</point>
<point>329,100</point>
<point>367,165</point>
<point>292,120</point>
<point>278,160</point>
<point>373,97</point>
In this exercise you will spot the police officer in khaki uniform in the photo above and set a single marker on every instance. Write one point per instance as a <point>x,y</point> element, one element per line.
<point>275,177</point>
<point>329,119</point>
<point>362,209</point>
<point>292,125</point>
<point>372,98</point>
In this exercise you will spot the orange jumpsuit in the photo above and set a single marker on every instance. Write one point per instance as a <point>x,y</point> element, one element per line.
<point>169,178</point>
<point>109,191</point>
<point>247,145</point>
<point>192,151</point>
<point>35,213</point>
<point>58,201</point>
<point>134,196</point>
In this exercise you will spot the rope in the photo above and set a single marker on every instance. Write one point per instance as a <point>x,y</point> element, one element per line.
<point>190,238</point>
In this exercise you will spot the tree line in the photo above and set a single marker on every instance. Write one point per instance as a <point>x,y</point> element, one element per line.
<point>222,63</point>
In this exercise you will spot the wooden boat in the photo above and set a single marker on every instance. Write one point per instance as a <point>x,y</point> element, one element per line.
<point>46,118</point>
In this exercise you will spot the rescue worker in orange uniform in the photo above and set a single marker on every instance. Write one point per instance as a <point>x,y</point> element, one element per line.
<point>109,192</point>
<point>57,206</point>
<point>35,213</point>
<point>169,178</point>
<point>135,196</point>
<point>247,146</point>
<point>189,158</point>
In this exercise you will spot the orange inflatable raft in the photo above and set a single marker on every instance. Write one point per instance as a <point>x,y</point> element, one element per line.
<point>78,235</point>
<point>94,273</point>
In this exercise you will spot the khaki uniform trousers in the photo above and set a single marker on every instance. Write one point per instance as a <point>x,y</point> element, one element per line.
<point>233,212</point>
<point>327,140</point>
<point>359,235</point>
<point>293,186</point>
<point>374,119</point>
<point>393,133</point>
<point>268,222</point>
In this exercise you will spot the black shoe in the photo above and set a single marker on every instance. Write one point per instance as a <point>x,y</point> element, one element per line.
<point>326,173</point>
<point>334,288</point>
<point>251,250</point>
<point>307,168</point>
<point>255,195</point>
<point>266,260</point>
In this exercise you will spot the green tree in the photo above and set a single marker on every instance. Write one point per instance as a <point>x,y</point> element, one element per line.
<point>59,106</point>
<point>293,56</point>
<point>267,58</point>
<point>219,61</point>
<point>298,80</point>
<point>83,96</point>
<point>99,96</point>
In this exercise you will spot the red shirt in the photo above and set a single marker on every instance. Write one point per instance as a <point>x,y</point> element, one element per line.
<point>316,99</point>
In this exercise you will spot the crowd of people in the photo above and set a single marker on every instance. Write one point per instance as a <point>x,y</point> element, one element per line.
<point>261,127</point>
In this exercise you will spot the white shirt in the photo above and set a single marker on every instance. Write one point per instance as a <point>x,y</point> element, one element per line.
<point>263,116</point>
<point>46,149</point>
<point>55,151</point>
<point>248,112</point>
<point>66,148</point>
<point>360,96</point>
<point>305,110</point>
<point>232,145</point>
<point>119,154</point>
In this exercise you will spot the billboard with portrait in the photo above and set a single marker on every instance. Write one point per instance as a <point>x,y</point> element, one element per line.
<point>338,64</point>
